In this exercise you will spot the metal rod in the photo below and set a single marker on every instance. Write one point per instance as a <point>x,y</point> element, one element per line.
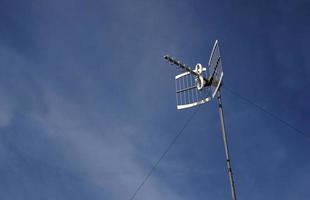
<point>185,68</point>
<point>229,168</point>
<point>185,89</point>
<point>179,64</point>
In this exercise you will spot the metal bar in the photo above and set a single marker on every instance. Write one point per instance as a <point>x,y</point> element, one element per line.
<point>184,85</point>
<point>181,96</point>
<point>179,64</point>
<point>229,168</point>
<point>187,85</point>
<point>184,67</point>
<point>192,91</point>
<point>185,89</point>
<point>176,94</point>
<point>196,95</point>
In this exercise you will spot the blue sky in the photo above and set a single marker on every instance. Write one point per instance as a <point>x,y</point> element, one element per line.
<point>88,105</point>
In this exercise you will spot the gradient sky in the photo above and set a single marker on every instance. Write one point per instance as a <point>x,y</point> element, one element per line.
<point>88,105</point>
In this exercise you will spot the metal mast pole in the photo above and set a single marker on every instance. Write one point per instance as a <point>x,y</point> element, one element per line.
<point>230,173</point>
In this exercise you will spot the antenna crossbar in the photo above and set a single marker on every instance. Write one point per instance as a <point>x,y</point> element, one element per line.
<point>186,89</point>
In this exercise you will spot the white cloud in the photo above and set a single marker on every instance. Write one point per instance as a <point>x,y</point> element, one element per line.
<point>99,149</point>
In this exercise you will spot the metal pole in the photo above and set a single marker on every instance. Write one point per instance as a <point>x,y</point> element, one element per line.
<point>230,173</point>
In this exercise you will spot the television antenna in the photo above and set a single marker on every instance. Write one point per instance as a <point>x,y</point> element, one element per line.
<point>198,86</point>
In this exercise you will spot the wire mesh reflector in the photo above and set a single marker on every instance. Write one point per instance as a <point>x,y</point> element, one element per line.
<point>215,69</point>
<point>187,94</point>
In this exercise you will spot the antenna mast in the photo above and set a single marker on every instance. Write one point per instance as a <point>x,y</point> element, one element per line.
<point>194,88</point>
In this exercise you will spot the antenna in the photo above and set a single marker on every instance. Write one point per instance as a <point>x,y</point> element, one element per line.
<point>200,85</point>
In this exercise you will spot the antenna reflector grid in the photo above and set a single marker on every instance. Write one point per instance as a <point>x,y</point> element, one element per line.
<point>187,94</point>
<point>215,69</point>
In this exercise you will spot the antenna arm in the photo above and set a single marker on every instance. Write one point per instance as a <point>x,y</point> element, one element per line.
<point>180,65</point>
<point>186,68</point>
